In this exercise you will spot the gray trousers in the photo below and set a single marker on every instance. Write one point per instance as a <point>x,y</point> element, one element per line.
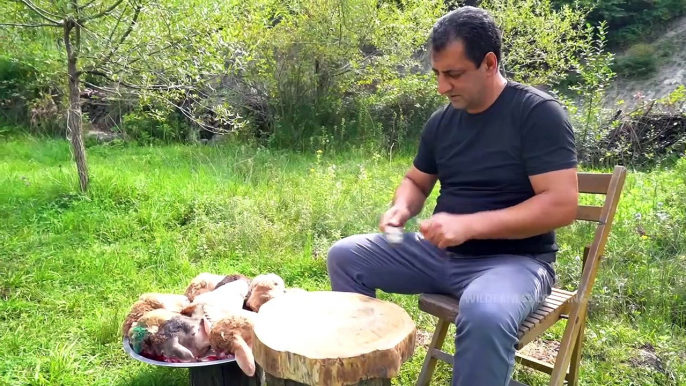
<point>496,294</point>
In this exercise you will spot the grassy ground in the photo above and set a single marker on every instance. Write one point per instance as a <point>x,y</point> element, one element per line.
<point>71,265</point>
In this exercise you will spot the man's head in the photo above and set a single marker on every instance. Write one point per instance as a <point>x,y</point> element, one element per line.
<point>465,55</point>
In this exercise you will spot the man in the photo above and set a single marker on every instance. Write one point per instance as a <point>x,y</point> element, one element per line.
<point>505,157</point>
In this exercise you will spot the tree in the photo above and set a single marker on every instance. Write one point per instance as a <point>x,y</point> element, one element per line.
<point>310,73</point>
<point>72,17</point>
<point>145,50</point>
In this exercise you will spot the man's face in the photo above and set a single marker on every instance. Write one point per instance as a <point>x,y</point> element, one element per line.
<point>458,78</point>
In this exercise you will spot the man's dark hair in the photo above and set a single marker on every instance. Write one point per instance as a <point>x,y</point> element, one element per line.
<point>475,27</point>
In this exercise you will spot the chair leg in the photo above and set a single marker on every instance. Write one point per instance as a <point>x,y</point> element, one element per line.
<point>430,360</point>
<point>574,365</point>
<point>575,361</point>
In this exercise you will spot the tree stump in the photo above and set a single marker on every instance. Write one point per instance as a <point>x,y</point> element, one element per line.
<point>225,374</point>
<point>331,339</point>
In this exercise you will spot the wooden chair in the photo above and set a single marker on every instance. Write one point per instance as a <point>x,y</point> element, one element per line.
<point>561,304</point>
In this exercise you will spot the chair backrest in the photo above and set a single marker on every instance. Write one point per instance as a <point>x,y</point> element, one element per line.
<point>610,185</point>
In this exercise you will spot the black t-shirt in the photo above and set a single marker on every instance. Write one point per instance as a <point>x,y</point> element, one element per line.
<point>484,160</point>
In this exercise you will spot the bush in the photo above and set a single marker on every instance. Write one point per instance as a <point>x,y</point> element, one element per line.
<point>583,92</point>
<point>298,75</point>
<point>17,88</point>
<point>639,61</point>
<point>150,127</point>
<point>396,113</point>
<point>31,71</point>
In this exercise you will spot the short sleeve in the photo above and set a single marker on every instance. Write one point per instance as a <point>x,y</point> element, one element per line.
<point>425,159</point>
<point>548,142</point>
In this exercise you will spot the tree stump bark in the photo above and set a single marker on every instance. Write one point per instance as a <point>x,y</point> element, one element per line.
<point>271,381</point>
<point>225,374</point>
<point>332,339</point>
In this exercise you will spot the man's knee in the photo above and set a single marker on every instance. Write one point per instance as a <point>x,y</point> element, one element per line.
<point>347,265</point>
<point>342,252</point>
<point>488,315</point>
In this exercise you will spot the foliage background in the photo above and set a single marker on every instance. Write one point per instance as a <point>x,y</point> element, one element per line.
<point>301,74</point>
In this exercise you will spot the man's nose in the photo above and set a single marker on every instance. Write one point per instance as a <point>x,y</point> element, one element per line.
<point>443,85</point>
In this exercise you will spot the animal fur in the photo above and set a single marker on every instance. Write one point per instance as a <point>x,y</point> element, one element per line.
<point>264,288</point>
<point>223,300</point>
<point>151,301</point>
<point>170,334</point>
<point>203,282</point>
<point>231,278</point>
<point>171,302</point>
<point>181,337</point>
<point>234,335</point>
<point>155,318</point>
<point>151,321</point>
<point>235,277</point>
<point>295,290</point>
<point>137,310</point>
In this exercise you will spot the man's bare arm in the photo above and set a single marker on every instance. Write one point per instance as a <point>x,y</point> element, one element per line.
<point>553,206</point>
<point>413,190</point>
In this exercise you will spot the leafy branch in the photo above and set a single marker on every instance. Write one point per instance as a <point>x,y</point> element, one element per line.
<point>30,25</point>
<point>51,17</point>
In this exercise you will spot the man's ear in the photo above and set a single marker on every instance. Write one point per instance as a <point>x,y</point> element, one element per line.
<point>490,63</point>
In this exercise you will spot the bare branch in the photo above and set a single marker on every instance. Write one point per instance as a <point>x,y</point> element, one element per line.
<point>82,7</point>
<point>137,48</point>
<point>103,13</point>
<point>100,88</point>
<point>123,36</point>
<point>51,14</point>
<point>134,87</point>
<point>86,29</point>
<point>188,114</point>
<point>30,25</point>
<point>114,29</point>
<point>41,12</point>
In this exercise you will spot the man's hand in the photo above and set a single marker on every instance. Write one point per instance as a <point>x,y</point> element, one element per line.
<point>396,216</point>
<point>409,198</point>
<point>447,230</point>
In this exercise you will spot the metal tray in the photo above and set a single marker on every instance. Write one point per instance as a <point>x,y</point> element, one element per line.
<point>129,350</point>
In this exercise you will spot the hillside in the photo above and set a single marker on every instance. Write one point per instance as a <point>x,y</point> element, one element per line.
<point>667,54</point>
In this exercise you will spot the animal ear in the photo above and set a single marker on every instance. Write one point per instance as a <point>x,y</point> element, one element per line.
<point>244,357</point>
<point>205,324</point>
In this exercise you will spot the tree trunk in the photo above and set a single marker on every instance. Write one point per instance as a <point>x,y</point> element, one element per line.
<point>74,121</point>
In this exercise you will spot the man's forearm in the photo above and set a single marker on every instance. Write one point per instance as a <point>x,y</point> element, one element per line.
<point>540,214</point>
<point>410,196</point>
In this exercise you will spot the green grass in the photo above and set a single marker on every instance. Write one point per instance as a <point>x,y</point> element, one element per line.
<point>71,265</point>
